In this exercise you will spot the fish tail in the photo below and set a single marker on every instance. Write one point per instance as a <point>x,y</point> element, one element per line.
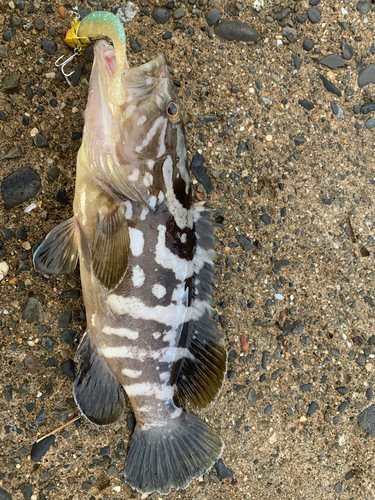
<point>171,456</point>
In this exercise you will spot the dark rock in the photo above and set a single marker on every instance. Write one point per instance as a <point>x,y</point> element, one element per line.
<point>223,322</point>
<point>75,135</point>
<point>281,14</point>
<point>367,76</point>
<point>305,387</point>
<point>39,24</point>
<point>65,319</point>
<point>342,390</point>
<point>6,233</point>
<point>41,448</point>
<point>20,186</point>
<point>130,421</point>
<point>343,407</point>
<point>21,233</point>
<point>371,340</point>
<point>160,15</point>
<point>135,44</point>
<point>200,172</point>
<point>306,104</point>
<point>77,73</point>
<point>26,489</point>
<point>369,107</point>
<point>68,336</point>
<point>276,374</point>
<point>299,140</point>
<point>9,34</point>
<point>252,397</point>
<point>104,451</point>
<point>3,116</point>
<point>347,50</point>
<point>67,367</point>
<point>329,86</point>
<point>370,123</point>
<point>8,393</point>
<point>335,108</point>
<point>213,16</point>
<point>40,141</point>
<point>307,45</point>
<point>29,92</point>
<point>366,419</point>
<point>89,52</point>
<point>222,471</point>
<point>369,301</point>
<point>11,82</point>
<point>363,6</point>
<point>4,495</point>
<point>179,13</point>
<point>297,61</point>
<point>83,12</point>
<point>21,267</point>
<point>281,263</point>
<point>49,46</point>
<point>53,172</point>
<point>40,419</point>
<point>70,294</point>
<point>232,10</point>
<point>292,328</point>
<point>290,34</point>
<point>236,31</point>
<point>32,311</point>
<point>245,243</point>
<point>48,344</point>
<point>313,406</point>
<point>314,15</point>
<point>333,61</point>
<point>62,197</point>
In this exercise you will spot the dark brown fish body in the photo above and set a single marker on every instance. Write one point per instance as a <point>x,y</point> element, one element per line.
<point>146,262</point>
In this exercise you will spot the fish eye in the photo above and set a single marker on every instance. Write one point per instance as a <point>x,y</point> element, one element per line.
<point>173,111</point>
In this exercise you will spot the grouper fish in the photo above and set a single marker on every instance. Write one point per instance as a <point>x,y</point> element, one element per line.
<point>146,256</point>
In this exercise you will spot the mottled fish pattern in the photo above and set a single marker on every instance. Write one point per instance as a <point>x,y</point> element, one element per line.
<point>146,262</point>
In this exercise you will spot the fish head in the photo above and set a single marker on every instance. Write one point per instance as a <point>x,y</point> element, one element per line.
<point>143,123</point>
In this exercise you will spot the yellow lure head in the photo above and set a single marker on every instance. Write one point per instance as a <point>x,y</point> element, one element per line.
<point>73,40</point>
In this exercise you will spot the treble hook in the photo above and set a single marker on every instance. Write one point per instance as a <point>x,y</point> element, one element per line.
<point>61,65</point>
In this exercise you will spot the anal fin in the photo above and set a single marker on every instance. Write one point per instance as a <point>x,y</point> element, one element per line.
<point>111,248</point>
<point>58,254</point>
<point>98,394</point>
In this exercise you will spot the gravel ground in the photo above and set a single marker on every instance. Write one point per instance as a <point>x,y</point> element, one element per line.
<point>280,127</point>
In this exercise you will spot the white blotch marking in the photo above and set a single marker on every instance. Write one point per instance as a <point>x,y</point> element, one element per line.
<point>156,335</point>
<point>152,202</point>
<point>129,209</point>
<point>134,175</point>
<point>176,413</point>
<point>93,318</point>
<point>148,179</point>
<point>121,332</point>
<point>162,392</point>
<point>182,268</point>
<point>131,373</point>
<point>143,214</point>
<point>159,122</point>
<point>164,376</point>
<point>161,196</point>
<point>130,109</point>
<point>182,216</point>
<point>181,164</point>
<point>159,290</point>
<point>137,241</point>
<point>138,276</point>
<point>142,120</point>
<point>184,238</point>
<point>150,164</point>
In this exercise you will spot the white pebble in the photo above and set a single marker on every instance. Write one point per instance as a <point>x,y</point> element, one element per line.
<point>343,11</point>
<point>278,296</point>
<point>29,208</point>
<point>51,76</point>
<point>4,268</point>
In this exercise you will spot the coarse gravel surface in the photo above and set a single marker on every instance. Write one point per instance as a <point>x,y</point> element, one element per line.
<point>280,122</point>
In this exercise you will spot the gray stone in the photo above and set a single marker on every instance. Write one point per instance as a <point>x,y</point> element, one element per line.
<point>11,82</point>
<point>160,15</point>
<point>13,152</point>
<point>252,397</point>
<point>39,449</point>
<point>39,24</point>
<point>236,31</point>
<point>33,311</point>
<point>49,46</point>
<point>20,186</point>
<point>366,419</point>
<point>4,495</point>
<point>135,44</point>
<point>290,34</point>
<point>213,16</point>
<point>222,471</point>
<point>40,141</point>
<point>9,34</point>
<point>4,51</point>
<point>370,123</point>
<point>347,50</point>
<point>363,6</point>
<point>179,13</point>
<point>333,61</point>
<point>314,15</point>
<point>26,489</point>
<point>245,243</point>
<point>48,344</point>
<point>367,76</point>
<point>77,73</point>
<point>62,415</point>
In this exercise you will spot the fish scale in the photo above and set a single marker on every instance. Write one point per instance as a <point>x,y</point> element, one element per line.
<point>146,257</point>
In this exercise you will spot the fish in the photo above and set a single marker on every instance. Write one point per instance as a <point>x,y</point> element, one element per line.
<point>146,255</point>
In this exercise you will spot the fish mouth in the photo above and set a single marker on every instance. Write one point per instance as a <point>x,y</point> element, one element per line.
<point>138,76</point>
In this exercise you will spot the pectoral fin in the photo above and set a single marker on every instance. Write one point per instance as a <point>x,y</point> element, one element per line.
<point>111,248</point>
<point>58,254</point>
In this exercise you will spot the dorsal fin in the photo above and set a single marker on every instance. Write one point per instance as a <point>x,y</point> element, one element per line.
<point>111,247</point>
<point>200,377</point>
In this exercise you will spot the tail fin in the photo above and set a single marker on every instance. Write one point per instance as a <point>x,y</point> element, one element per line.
<point>161,458</point>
